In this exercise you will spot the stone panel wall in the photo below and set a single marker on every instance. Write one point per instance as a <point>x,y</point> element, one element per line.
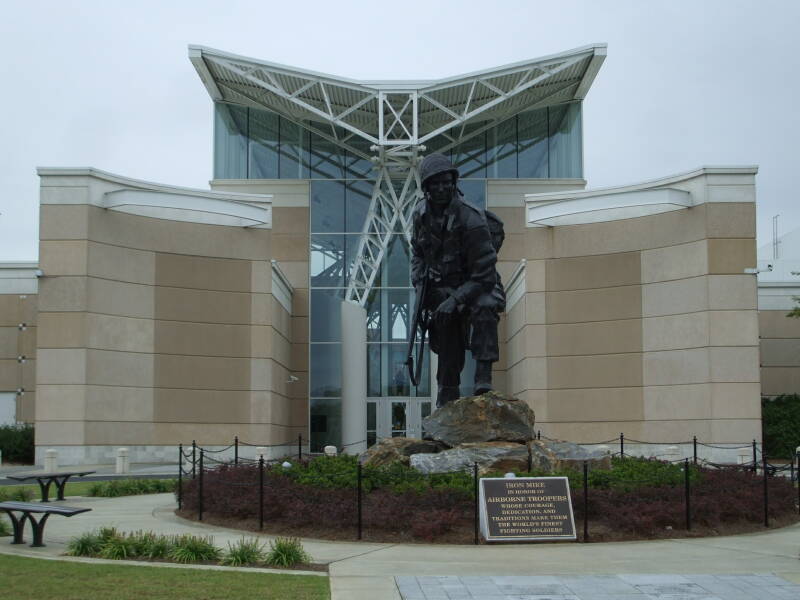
<point>157,331</point>
<point>644,325</point>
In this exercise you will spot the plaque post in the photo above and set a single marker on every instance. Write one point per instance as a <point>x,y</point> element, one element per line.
<point>475,483</point>
<point>585,501</point>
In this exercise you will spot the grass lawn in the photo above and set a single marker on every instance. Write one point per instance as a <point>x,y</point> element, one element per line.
<point>77,488</point>
<point>34,579</point>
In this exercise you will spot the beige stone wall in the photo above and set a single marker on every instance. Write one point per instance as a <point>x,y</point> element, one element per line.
<point>780,351</point>
<point>646,326</point>
<point>157,331</point>
<point>18,328</point>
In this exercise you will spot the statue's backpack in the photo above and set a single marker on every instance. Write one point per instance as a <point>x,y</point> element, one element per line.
<point>495,229</point>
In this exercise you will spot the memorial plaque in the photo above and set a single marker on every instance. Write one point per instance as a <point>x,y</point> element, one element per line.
<point>526,509</point>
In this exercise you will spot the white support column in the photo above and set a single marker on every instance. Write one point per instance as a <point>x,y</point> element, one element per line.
<point>354,378</point>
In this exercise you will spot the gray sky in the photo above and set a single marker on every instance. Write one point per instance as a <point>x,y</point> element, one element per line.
<point>109,85</point>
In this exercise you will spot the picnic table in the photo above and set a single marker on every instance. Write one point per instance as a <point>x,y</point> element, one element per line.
<point>46,479</point>
<point>28,509</point>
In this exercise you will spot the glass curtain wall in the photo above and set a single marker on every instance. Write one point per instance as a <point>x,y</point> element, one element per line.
<point>257,144</point>
<point>545,143</point>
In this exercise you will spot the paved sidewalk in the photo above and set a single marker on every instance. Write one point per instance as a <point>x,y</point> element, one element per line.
<point>600,587</point>
<point>367,571</point>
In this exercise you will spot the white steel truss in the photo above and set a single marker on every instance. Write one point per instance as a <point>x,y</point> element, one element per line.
<point>390,122</point>
<point>389,213</point>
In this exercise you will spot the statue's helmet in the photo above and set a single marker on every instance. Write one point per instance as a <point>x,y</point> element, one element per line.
<point>433,165</point>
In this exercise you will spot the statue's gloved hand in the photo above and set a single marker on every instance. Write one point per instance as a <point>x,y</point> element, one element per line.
<point>446,308</point>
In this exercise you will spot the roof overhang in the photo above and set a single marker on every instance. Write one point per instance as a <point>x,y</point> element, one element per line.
<point>398,113</point>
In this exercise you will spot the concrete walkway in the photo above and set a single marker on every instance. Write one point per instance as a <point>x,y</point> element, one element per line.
<point>368,570</point>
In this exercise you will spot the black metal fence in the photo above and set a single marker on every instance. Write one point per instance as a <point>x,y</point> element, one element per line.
<point>195,462</point>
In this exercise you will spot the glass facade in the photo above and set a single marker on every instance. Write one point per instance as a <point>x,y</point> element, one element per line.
<point>545,143</point>
<point>257,144</point>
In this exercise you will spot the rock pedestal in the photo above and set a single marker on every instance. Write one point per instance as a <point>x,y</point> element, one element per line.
<point>490,417</point>
<point>492,430</point>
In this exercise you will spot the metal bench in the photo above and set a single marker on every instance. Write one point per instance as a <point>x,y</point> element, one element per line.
<point>46,479</point>
<point>28,509</point>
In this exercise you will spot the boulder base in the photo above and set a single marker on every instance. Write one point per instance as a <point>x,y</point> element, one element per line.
<point>390,450</point>
<point>490,456</point>
<point>555,455</point>
<point>489,417</point>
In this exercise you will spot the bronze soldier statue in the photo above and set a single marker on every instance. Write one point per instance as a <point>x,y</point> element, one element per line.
<point>454,256</point>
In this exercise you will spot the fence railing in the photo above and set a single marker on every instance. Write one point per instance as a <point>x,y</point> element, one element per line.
<point>195,461</point>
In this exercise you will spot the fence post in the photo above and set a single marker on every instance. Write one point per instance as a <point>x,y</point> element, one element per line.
<point>300,447</point>
<point>755,457</point>
<point>622,445</point>
<point>236,449</point>
<point>261,492</point>
<point>359,500</point>
<point>585,501</point>
<point>766,488</point>
<point>180,476</point>
<point>694,441</point>
<point>475,482</point>
<point>687,494</point>
<point>797,455</point>
<point>194,459</point>
<point>200,490</point>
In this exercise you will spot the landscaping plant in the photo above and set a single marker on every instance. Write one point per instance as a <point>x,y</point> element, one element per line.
<point>286,552</point>
<point>16,444</point>
<point>86,544</point>
<point>194,548</point>
<point>244,552</point>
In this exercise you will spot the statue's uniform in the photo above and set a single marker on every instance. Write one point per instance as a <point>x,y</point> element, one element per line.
<point>456,254</point>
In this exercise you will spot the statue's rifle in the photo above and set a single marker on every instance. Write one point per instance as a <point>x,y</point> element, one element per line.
<point>418,322</point>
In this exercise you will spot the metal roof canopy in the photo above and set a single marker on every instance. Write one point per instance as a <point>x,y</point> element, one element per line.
<point>398,114</point>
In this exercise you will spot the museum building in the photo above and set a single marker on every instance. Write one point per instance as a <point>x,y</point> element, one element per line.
<point>275,305</point>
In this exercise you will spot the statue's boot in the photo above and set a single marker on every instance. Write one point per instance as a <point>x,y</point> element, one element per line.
<point>483,377</point>
<point>446,394</point>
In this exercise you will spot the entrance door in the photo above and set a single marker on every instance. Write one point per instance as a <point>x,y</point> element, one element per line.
<point>396,417</point>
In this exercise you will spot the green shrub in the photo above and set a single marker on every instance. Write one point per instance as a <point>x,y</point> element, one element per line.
<point>155,546</point>
<point>118,548</point>
<point>244,552</point>
<point>191,548</point>
<point>780,418</point>
<point>16,444</point>
<point>5,527</point>
<point>131,487</point>
<point>21,494</point>
<point>286,552</point>
<point>86,544</point>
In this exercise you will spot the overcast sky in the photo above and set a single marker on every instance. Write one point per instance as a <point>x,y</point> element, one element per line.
<point>109,85</point>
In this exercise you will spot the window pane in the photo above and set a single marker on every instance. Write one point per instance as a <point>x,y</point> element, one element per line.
<point>326,423</point>
<point>532,144</point>
<point>502,150</point>
<point>357,198</point>
<point>358,167</point>
<point>230,141</point>
<point>327,261</point>
<point>565,141</point>
<point>372,420</point>
<point>398,419</point>
<point>395,375</point>
<point>326,316</point>
<point>373,370</point>
<point>470,156</point>
<point>263,144</point>
<point>327,158</point>
<point>397,272</point>
<point>474,191</point>
<point>374,319</point>
<point>293,151</point>
<point>398,317</point>
<point>327,207</point>
<point>326,370</point>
